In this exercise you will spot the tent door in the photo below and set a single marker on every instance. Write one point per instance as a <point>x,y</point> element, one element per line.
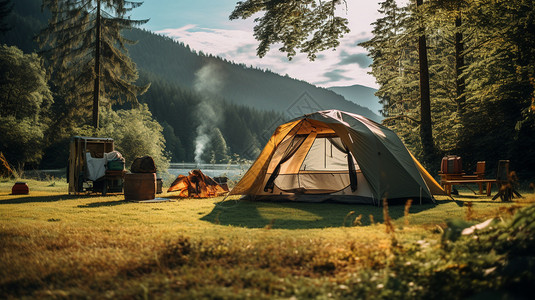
<point>319,164</point>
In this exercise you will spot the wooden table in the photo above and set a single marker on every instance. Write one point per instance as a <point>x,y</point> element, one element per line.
<point>447,184</point>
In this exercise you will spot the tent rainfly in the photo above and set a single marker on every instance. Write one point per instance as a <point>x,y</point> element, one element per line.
<point>339,156</point>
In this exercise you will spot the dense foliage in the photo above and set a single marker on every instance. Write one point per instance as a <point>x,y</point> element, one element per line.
<point>25,99</point>
<point>494,262</point>
<point>5,9</point>
<point>135,134</point>
<point>309,26</point>
<point>87,53</point>
<point>481,64</point>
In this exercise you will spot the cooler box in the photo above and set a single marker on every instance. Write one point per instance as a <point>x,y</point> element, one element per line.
<point>115,165</point>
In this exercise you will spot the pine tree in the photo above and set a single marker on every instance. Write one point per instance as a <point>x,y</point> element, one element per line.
<point>87,53</point>
<point>500,82</point>
<point>387,55</point>
<point>395,57</point>
<point>446,55</point>
<point>395,50</point>
<point>426,129</point>
<point>5,9</point>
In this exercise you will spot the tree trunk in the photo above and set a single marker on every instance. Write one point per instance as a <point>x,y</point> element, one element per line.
<point>96,90</point>
<point>426,131</point>
<point>459,65</point>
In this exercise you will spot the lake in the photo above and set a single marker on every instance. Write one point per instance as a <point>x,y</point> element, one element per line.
<point>232,171</point>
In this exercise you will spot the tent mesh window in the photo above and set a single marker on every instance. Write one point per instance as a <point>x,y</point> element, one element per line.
<point>322,167</point>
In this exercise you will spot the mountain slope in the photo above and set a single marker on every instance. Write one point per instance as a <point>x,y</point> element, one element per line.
<point>246,104</point>
<point>178,64</point>
<point>236,83</point>
<point>361,95</point>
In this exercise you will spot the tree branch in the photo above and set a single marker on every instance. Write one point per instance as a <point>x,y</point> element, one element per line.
<point>387,120</point>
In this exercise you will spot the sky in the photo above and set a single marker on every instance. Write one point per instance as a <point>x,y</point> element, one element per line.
<point>204,25</point>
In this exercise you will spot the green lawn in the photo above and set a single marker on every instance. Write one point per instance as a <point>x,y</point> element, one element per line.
<point>55,245</point>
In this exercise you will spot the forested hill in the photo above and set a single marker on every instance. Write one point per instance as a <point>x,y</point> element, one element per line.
<point>262,89</point>
<point>177,64</point>
<point>175,104</point>
<point>248,103</point>
<point>360,94</point>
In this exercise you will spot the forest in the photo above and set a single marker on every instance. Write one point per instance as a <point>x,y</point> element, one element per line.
<point>481,64</point>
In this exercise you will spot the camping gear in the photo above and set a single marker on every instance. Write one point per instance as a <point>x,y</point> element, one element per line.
<point>139,186</point>
<point>115,165</point>
<point>94,166</point>
<point>335,155</point>
<point>20,188</point>
<point>143,164</point>
<point>114,161</point>
<point>196,185</point>
<point>451,164</point>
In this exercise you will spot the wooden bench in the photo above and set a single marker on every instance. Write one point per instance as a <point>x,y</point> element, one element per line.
<point>477,177</point>
<point>447,184</point>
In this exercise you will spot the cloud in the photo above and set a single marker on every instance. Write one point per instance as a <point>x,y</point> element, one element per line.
<point>239,45</point>
<point>246,49</point>
<point>210,40</point>
<point>361,59</point>
<point>336,75</point>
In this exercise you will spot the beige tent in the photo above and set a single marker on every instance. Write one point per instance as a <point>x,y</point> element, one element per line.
<point>335,155</point>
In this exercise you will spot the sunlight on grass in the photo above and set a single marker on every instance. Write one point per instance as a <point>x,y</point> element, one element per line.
<point>53,242</point>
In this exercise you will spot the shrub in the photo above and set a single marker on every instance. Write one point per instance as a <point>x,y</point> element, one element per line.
<point>135,134</point>
<point>25,99</point>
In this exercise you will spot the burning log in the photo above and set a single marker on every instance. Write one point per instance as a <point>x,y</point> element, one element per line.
<point>196,185</point>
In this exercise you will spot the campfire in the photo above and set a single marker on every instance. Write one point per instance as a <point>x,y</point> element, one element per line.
<point>198,185</point>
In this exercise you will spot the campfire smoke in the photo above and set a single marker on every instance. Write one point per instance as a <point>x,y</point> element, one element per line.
<point>208,82</point>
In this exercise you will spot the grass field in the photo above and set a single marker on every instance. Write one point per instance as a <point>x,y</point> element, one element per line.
<point>55,245</point>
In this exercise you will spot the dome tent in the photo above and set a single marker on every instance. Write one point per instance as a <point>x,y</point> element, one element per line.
<point>335,155</point>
